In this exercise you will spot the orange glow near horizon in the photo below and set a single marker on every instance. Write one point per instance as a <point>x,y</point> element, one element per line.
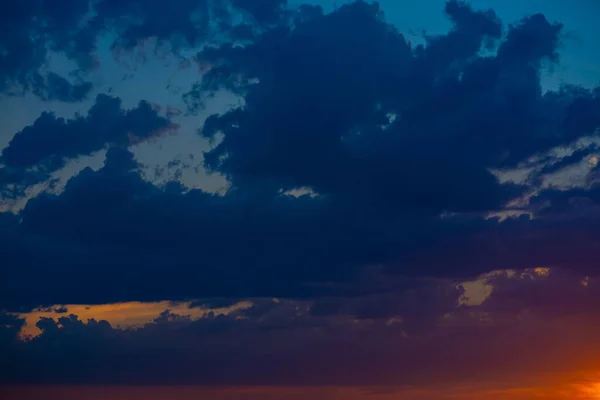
<point>592,391</point>
<point>537,356</point>
<point>122,315</point>
<point>475,392</point>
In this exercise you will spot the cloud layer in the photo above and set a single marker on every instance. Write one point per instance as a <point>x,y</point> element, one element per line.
<point>367,180</point>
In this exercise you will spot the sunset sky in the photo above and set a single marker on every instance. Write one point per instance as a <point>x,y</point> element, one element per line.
<point>301,199</point>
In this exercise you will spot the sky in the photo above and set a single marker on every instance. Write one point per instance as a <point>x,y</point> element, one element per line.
<point>301,199</point>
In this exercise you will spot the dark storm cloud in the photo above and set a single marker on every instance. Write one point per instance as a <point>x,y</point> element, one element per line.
<point>262,11</point>
<point>417,309</point>
<point>286,344</point>
<point>556,164</point>
<point>319,116</point>
<point>241,244</point>
<point>556,203</point>
<point>566,240</point>
<point>556,292</point>
<point>471,30</point>
<point>27,30</point>
<point>272,336</point>
<point>395,141</point>
<point>30,29</point>
<point>184,24</point>
<point>46,145</point>
<point>311,123</point>
<point>181,24</point>
<point>562,233</point>
<point>118,356</point>
<point>55,87</point>
<point>15,181</point>
<point>10,326</point>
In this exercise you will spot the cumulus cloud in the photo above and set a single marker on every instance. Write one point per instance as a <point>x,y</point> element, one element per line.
<point>408,193</point>
<point>285,343</point>
<point>319,116</point>
<point>239,244</point>
<point>46,145</point>
<point>32,29</point>
<point>362,174</point>
<point>29,30</point>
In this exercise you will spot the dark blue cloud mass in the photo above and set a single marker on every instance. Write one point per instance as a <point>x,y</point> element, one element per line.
<point>370,194</point>
<point>319,117</point>
<point>50,142</point>
<point>394,146</point>
<point>325,343</point>
<point>30,30</point>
